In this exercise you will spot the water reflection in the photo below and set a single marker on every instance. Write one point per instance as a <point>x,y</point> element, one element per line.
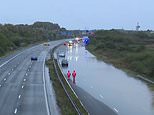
<point>127,95</point>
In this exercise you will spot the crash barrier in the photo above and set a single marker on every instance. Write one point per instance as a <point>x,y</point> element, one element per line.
<point>145,79</point>
<point>56,67</point>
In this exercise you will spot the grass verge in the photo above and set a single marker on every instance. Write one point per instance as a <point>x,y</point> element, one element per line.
<point>130,51</point>
<point>117,63</point>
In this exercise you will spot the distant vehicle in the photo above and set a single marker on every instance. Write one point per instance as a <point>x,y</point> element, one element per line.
<point>33,58</point>
<point>61,54</point>
<point>65,43</point>
<point>64,63</point>
<point>78,39</point>
<point>70,43</point>
<point>46,44</point>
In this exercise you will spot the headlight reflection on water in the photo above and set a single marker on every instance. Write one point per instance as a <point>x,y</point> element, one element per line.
<point>76,58</point>
<point>72,53</point>
<point>69,58</point>
<point>70,49</point>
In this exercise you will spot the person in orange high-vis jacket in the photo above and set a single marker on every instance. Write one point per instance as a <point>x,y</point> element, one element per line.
<point>74,76</point>
<point>68,75</point>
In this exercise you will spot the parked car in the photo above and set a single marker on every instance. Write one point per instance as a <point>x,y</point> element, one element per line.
<point>46,44</point>
<point>33,58</point>
<point>64,63</point>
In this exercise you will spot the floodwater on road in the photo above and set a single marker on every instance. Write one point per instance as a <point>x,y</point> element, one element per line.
<point>123,93</point>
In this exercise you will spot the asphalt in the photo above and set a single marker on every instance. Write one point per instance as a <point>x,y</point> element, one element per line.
<point>92,105</point>
<point>25,87</point>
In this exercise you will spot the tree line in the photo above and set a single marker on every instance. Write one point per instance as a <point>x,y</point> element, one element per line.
<point>15,36</point>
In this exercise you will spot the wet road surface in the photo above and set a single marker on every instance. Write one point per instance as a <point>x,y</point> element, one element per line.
<point>124,94</point>
<point>24,84</point>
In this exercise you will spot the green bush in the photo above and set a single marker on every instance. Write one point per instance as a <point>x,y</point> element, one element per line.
<point>128,49</point>
<point>14,36</point>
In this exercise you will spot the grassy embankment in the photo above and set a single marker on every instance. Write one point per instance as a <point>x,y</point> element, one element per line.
<point>131,51</point>
<point>62,99</point>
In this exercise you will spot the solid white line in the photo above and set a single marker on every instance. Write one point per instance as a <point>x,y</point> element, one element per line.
<point>101,96</point>
<point>9,60</point>
<point>15,111</point>
<point>4,79</point>
<point>16,56</point>
<point>0,85</point>
<point>26,74</point>
<point>116,110</point>
<point>47,106</point>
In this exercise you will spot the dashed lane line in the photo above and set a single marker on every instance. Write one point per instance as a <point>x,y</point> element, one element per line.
<point>15,111</point>
<point>22,86</point>
<point>116,110</point>
<point>19,96</point>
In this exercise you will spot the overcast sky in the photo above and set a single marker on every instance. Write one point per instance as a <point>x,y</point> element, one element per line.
<point>80,14</point>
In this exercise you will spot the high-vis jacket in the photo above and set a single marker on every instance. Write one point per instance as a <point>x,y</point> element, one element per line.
<point>68,74</point>
<point>74,74</point>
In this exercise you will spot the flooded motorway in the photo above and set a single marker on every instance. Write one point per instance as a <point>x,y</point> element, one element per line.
<point>124,94</point>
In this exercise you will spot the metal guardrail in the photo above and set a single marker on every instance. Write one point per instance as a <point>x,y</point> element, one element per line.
<point>56,71</point>
<point>72,102</point>
<point>145,79</point>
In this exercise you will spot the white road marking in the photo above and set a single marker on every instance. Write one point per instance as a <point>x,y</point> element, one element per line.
<point>9,60</point>
<point>26,74</point>
<point>4,79</point>
<point>15,111</point>
<point>24,79</point>
<point>46,101</point>
<point>101,96</point>
<point>22,87</point>
<point>12,69</point>
<point>16,56</point>
<point>0,85</point>
<point>116,110</point>
<point>9,73</point>
<point>19,96</point>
